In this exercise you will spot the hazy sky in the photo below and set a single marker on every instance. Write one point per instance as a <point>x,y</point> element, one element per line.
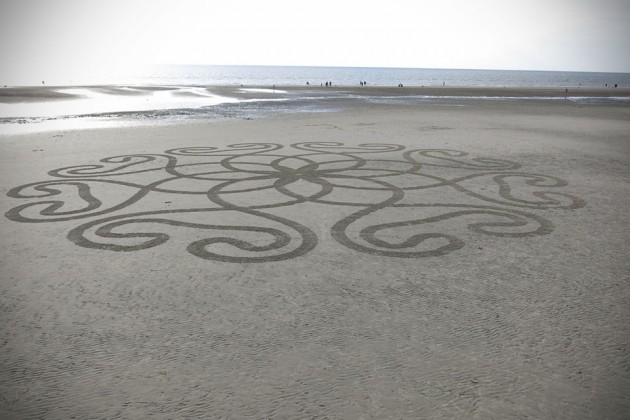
<point>65,35</point>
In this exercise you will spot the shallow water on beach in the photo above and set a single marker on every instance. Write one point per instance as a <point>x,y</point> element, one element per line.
<point>85,101</point>
<point>94,109</point>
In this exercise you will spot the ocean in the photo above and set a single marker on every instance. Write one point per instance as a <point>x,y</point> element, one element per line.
<point>195,75</point>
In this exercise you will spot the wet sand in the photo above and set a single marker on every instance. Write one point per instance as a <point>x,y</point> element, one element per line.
<point>446,260</point>
<point>44,93</point>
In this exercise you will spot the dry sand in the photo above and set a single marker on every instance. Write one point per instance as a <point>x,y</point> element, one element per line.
<point>347,284</point>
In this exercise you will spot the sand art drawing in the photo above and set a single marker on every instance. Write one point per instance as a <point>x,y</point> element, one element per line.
<point>260,202</point>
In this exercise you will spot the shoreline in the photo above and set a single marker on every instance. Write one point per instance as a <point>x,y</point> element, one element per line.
<point>16,94</point>
<point>52,108</point>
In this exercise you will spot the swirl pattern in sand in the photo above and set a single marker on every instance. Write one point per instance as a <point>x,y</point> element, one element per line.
<point>260,202</point>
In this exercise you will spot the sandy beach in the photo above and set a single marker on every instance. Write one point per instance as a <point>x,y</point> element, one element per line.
<point>448,259</point>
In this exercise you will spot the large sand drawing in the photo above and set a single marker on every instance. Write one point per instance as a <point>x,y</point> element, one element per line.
<point>259,202</point>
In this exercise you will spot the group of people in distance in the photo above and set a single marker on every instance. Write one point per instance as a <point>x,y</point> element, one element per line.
<point>362,83</point>
<point>322,84</point>
<point>329,84</point>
